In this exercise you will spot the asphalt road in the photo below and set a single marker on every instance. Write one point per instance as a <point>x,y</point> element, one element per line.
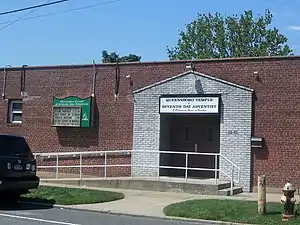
<point>27,214</point>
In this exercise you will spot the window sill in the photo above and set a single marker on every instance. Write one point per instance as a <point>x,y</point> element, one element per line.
<point>13,124</point>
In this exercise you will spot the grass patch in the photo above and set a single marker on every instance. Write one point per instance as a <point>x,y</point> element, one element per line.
<point>228,210</point>
<point>70,196</point>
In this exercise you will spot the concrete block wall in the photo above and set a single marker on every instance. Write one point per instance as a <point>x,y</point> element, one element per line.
<point>235,128</point>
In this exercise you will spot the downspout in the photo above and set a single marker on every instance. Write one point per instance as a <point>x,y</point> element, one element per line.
<point>22,88</point>
<point>94,78</point>
<point>117,81</point>
<point>93,93</point>
<point>4,80</point>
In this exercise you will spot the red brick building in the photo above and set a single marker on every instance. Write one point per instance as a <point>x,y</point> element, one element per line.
<point>274,83</point>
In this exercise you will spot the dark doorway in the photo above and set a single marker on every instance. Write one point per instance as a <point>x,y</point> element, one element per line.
<point>189,133</point>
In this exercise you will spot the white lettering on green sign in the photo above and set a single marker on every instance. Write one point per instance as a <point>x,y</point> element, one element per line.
<point>85,105</point>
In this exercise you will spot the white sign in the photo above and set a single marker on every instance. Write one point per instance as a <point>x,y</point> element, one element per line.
<point>189,105</point>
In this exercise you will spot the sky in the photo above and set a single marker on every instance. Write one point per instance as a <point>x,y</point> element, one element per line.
<point>141,27</point>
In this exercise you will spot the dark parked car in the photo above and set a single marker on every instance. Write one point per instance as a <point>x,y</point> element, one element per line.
<point>17,168</point>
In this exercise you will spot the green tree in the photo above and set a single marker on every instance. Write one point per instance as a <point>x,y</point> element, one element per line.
<point>216,36</point>
<point>114,57</point>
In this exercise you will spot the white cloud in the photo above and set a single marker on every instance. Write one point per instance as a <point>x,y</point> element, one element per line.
<point>296,28</point>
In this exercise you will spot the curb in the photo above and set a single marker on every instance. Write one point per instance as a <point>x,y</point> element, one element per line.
<point>169,218</point>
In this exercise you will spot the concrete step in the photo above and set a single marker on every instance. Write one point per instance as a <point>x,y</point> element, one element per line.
<point>226,191</point>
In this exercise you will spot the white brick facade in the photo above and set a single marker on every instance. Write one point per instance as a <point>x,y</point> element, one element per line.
<point>235,127</point>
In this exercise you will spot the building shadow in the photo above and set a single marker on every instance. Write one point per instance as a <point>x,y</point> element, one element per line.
<point>254,100</point>
<point>27,204</point>
<point>261,153</point>
<point>81,137</point>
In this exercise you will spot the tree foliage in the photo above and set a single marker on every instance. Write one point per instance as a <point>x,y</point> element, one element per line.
<point>216,36</point>
<point>114,57</point>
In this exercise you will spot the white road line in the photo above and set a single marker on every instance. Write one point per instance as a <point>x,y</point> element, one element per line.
<point>36,219</point>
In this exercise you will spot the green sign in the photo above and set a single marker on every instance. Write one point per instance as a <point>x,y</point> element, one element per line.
<point>66,114</point>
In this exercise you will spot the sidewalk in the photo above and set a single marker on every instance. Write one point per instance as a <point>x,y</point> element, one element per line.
<point>150,203</point>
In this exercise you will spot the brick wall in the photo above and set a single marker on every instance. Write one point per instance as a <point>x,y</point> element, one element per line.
<point>236,111</point>
<point>276,116</point>
<point>113,129</point>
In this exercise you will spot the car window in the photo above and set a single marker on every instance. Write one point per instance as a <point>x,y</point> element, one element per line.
<point>14,146</point>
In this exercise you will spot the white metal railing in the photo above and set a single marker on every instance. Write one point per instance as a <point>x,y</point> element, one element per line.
<point>218,159</point>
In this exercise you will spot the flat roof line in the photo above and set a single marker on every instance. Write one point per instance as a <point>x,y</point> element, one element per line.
<point>262,58</point>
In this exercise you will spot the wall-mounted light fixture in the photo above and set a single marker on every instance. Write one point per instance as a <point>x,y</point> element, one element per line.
<point>189,66</point>
<point>256,142</point>
<point>257,77</point>
<point>130,80</point>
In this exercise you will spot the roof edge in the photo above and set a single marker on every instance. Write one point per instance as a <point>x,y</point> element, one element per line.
<point>195,73</point>
<point>158,62</point>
